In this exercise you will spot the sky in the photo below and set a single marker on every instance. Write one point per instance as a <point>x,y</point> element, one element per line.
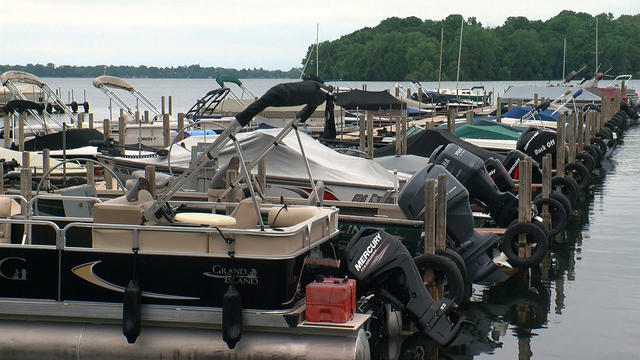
<point>272,34</point>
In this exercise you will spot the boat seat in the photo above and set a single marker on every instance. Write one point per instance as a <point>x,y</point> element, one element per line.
<point>245,214</point>
<point>5,213</point>
<point>281,216</point>
<point>121,211</point>
<point>162,179</point>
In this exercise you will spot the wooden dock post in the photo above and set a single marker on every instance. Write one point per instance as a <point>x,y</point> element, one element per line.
<point>170,105</point>
<point>571,138</point>
<point>90,173</point>
<point>26,159</point>
<point>108,179</point>
<point>106,129</point>
<point>162,104</point>
<point>451,121</point>
<point>519,102</point>
<point>430,216</point>
<point>21,122</point>
<point>580,133</point>
<point>560,145</point>
<point>470,114</point>
<point>46,165</point>
<point>509,104</point>
<point>181,118</point>
<point>122,131</point>
<point>589,130</point>
<point>91,124</point>
<point>146,116</point>
<point>2,190</point>
<point>535,99</point>
<point>441,213</point>
<point>262,174</point>
<point>362,133</point>
<point>7,133</point>
<point>524,204</point>
<point>166,130</point>
<point>404,133</point>
<point>150,176</point>
<point>80,120</point>
<point>370,135</point>
<point>498,109</point>
<point>546,188</point>
<point>398,135</point>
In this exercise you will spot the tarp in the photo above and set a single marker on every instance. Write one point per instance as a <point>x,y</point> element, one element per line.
<point>409,164</point>
<point>368,100</point>
<point>518,112</point>
<point>424,142</point>
<point>285,160</point>
<point>494,132</point>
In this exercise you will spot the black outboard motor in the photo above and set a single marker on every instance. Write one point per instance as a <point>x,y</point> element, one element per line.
<point>383,265</point>
<point>470,171</point>
<point>537,143</point>
<point>476,249</point>
<point>499,174</point>
<point>511,162</point>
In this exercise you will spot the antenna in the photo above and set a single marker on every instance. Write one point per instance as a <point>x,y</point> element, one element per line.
<point>564,58</point>
<point>459,55</point>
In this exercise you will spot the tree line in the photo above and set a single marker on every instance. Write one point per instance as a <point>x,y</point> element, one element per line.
<point>142,71</point>
<point>520,49</point>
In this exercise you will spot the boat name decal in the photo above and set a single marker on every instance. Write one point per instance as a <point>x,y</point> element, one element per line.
<point>526,146</point>
<point>242,275</point>
<point>366,256</point>
<point>15,272</point>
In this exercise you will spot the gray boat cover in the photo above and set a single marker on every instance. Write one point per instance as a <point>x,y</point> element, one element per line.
<point>285,160</point>
<point>548,92</point>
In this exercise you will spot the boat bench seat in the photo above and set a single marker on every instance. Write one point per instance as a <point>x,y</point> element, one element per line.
<point>5,213</point>
<point>121,211</point>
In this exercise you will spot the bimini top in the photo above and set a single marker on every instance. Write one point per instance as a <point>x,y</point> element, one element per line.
<point>368,100</point>
<point>21,77</point>
<point>228,78</point>
<point>112,81</point>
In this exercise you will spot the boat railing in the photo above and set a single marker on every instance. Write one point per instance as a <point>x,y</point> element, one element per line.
<point>26,236</point>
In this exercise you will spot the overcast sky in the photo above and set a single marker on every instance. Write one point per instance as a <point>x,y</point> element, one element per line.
<point>271,34</point>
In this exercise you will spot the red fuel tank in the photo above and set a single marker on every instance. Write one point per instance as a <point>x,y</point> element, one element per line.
<point>332,300</point>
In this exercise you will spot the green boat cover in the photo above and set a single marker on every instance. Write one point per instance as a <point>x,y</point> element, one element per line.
<point>489,132</point>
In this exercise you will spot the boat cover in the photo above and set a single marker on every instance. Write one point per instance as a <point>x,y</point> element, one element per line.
<point>548,92</point>
<point>409,164</point>
<point>112,81</point>
<point>368,100</point>
<point>492,132</point>
<point>424,142</point>
<point>285,160</point>
<point>517,112</point>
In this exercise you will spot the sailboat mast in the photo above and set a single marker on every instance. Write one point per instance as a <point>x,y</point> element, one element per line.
<point>317,48</point>
<point>596,43</point>
<point>440,68</point>
<point>459,54</point>
<point>564,57</point>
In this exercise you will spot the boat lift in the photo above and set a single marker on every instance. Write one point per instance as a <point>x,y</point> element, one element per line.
<point>108,83</point>
<point>10,79</point>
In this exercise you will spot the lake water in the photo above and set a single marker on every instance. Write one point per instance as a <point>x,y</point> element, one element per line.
<point>581,304</point>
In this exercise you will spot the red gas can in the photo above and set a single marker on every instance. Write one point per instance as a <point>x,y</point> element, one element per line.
<point>332,300</point>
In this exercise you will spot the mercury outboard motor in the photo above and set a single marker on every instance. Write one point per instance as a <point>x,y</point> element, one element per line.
<point>511,163</point>
<point>470,171</point>
<point>383,265</point>
<point>479,251</point>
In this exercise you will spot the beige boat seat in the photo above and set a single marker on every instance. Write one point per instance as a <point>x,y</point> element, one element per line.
<point>5,213</point>
<point>281,216</point>
<point>245,214</point>
<point>121,211</point>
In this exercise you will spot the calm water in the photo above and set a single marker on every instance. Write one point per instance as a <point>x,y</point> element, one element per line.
<point>581,304</point>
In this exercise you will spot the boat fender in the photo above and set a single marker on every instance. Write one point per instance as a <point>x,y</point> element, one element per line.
<point>569,188</point>
<point>231,316</point>
<point>535,234</point>
<point>131,312</point>
<point>580,174</point>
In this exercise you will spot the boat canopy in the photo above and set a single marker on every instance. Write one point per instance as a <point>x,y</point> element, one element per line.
<point>228,78</point>
<point>21,77</point>
<point>486,132</point>
<point>112,81</point>
<point>368,100</point>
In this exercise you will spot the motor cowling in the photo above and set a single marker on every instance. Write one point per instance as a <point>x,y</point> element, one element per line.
<point>536,143</point>
<point>469,169</point>
<point>476,249</point>
<point>383,265</point>
<point>511,162</point>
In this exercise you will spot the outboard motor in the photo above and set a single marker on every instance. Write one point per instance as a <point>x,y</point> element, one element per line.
<point>511,162</point>
<point>537,143</point>
<point>476,249</point>
<point>383,265</point>
<point>470,171</point>
<point>499,174</point>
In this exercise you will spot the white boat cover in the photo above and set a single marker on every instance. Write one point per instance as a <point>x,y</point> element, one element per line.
<point>112,81</point>
<point>20,77</point>
<point>285,160</point>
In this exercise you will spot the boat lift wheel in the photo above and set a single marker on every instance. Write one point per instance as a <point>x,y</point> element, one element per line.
<point>568,186</point>
<point>443,272</point>
<point>536,238</point>
<point>580,174</point>
<point>559,217</point>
